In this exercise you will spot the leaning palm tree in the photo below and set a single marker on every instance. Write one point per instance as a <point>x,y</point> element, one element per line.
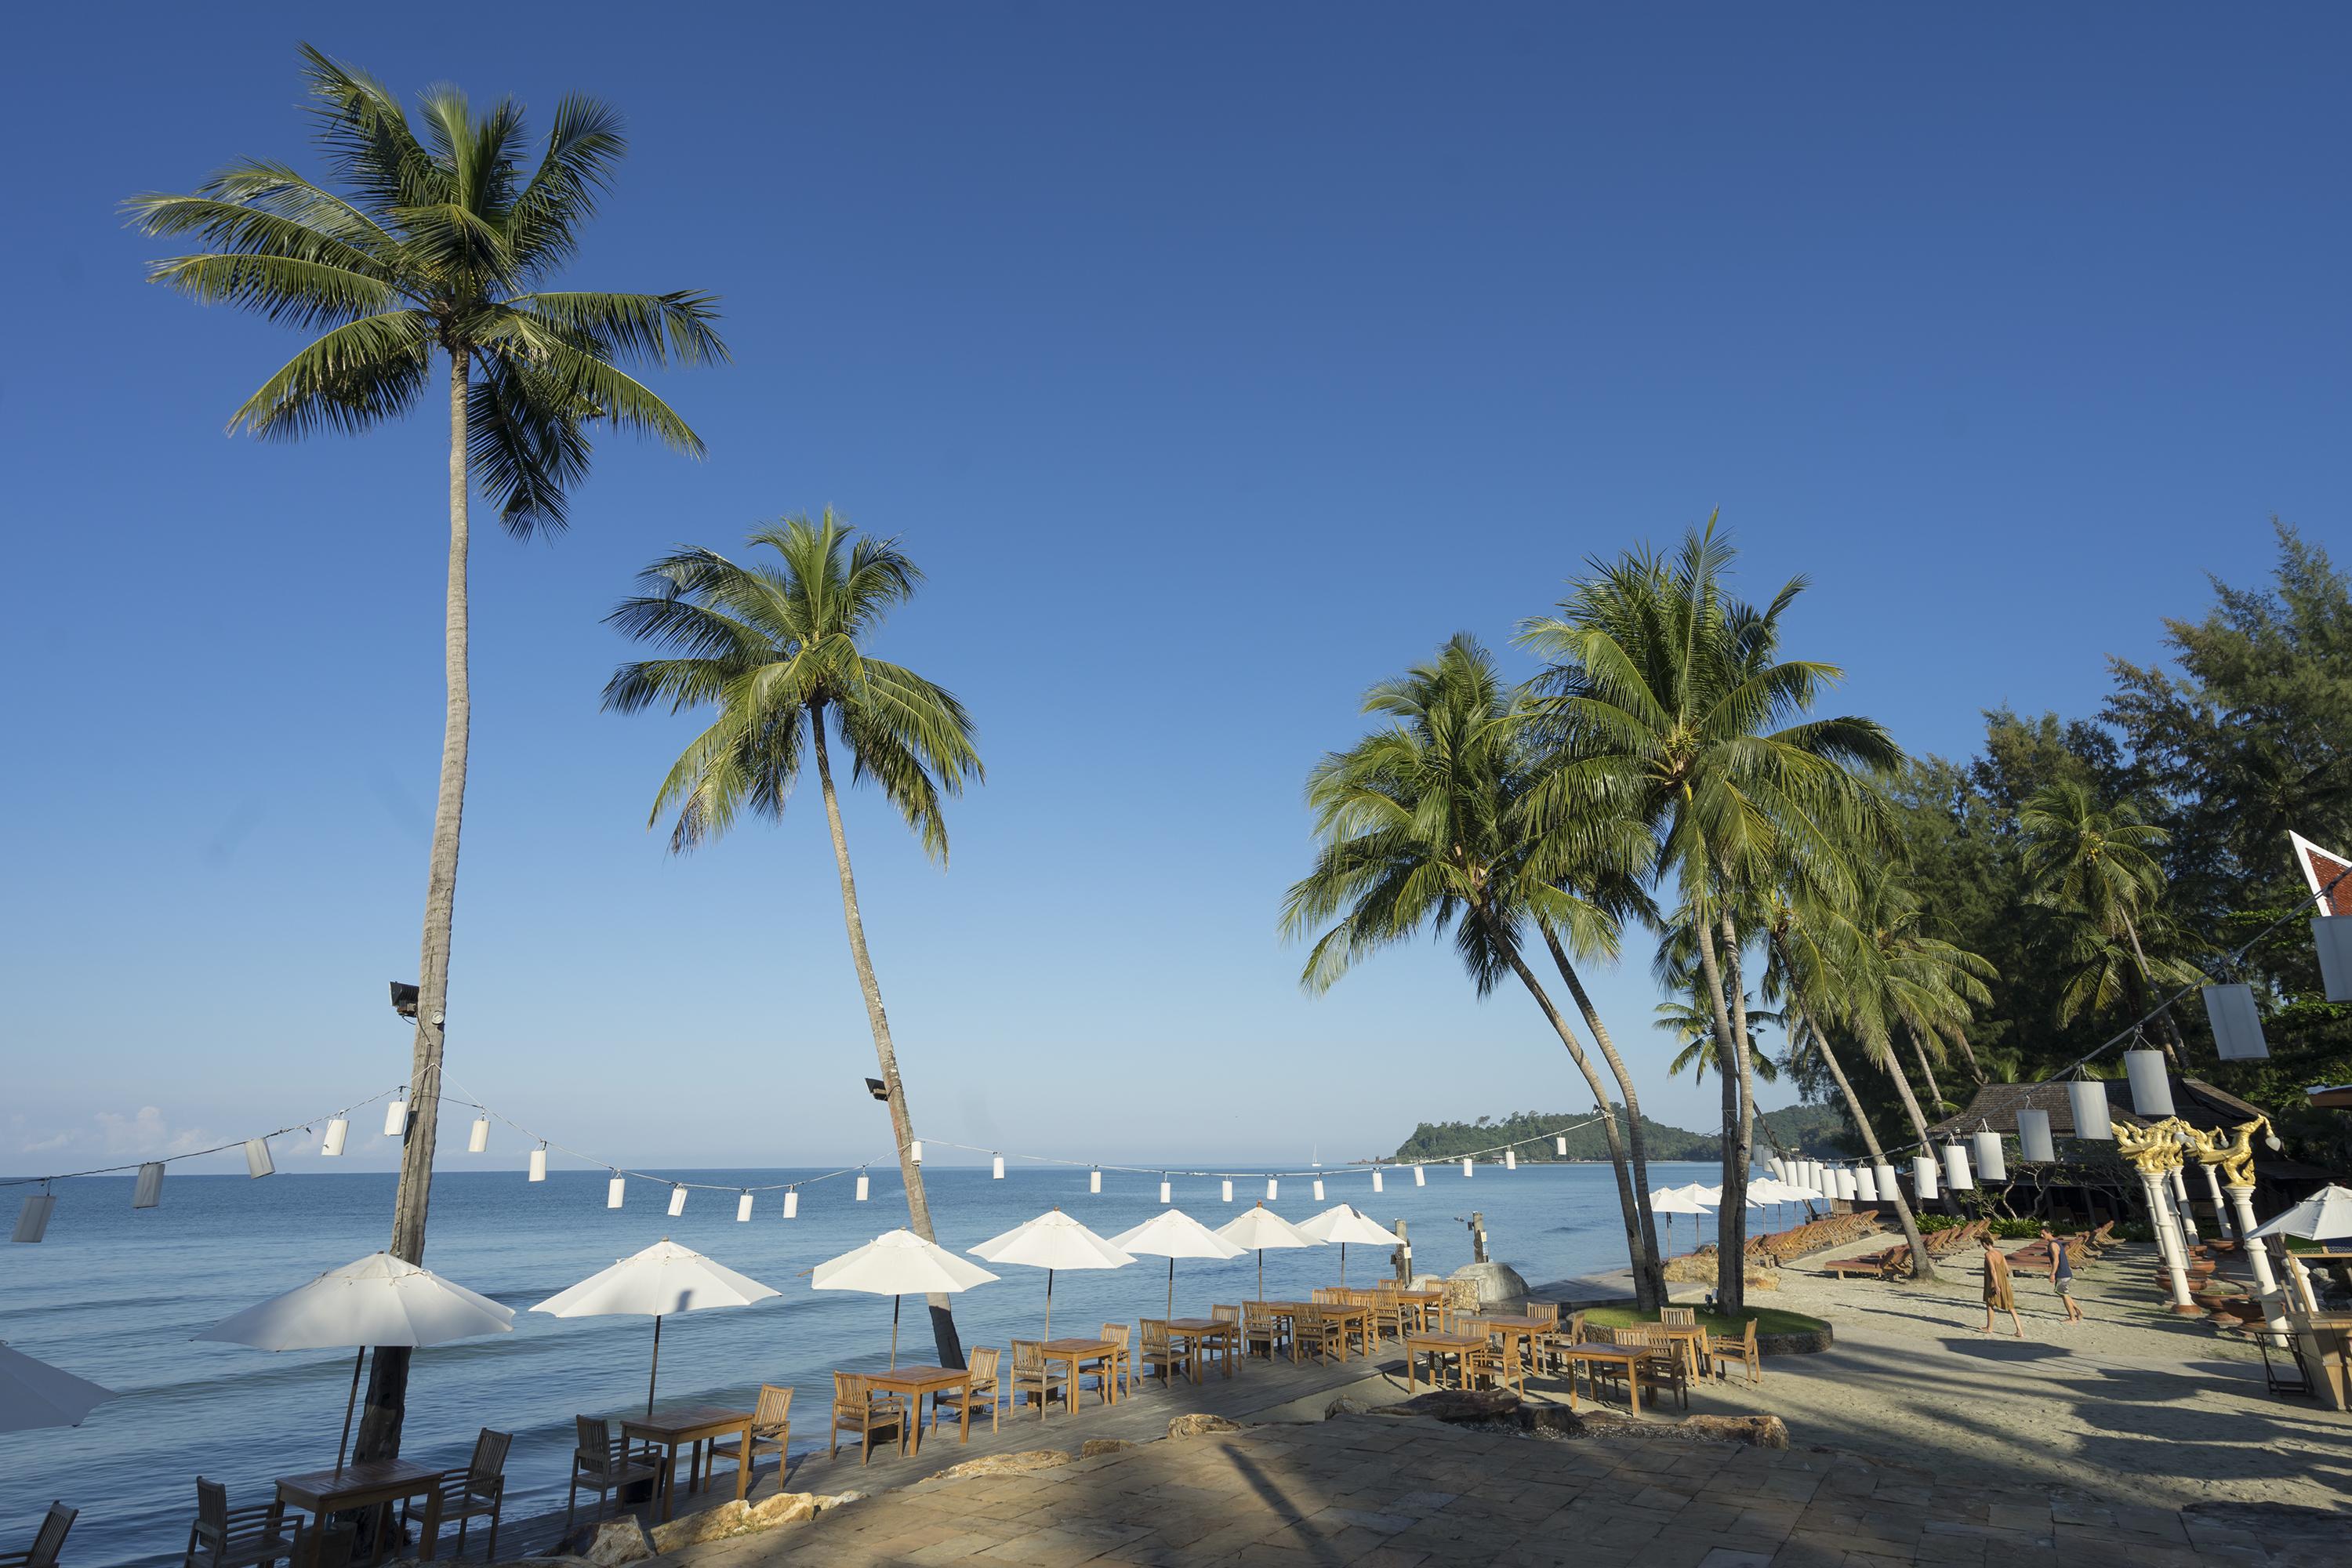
<point>2099,861</point>
<point>431,242</point>
<point>778,648</point>
<point>1421,833</point>
<point>1668,696</point>
<point>1691,1023</point>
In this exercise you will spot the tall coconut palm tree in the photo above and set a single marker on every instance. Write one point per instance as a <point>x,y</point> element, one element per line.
<point>778,648</point>
<point>1420,832</point>
<point>1668,697</point>
<point>433,242</point>
<point>2101,861</point>
<point>1691,1023</point>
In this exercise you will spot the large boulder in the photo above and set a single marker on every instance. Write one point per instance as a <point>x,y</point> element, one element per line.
<point>1346,1405</point>
<point>1094,1448</point>
<point>616,1542</point>
<point>1756,1431</point>
<point>1006,1464</point>
<point>1459,1404</point>
<point>706,1524</point>
<point>784,1507</point>
<point>1200,1423</point>
<point>1499,1284</point>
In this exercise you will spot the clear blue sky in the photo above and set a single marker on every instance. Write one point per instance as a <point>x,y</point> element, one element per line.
<point>1214,361</point>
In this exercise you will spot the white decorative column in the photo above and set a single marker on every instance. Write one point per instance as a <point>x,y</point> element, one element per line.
<point>2228,1221</point>
<point>2258,1252</point>
<point>2168,1240</point>
<point>2180,1205</point>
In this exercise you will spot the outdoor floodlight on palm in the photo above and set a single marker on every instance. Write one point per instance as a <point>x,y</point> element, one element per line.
<point>1344,1222</point>
<point>379,1299</point>
<point>34,1394</point>
<point>1258,1228</point>
<point>1172,1233</point>
<point>1055,1242</point>
<point>663,1280</point>
<point>899,1263</point>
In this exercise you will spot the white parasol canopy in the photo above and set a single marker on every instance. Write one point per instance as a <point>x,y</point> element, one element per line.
<point>1054,1242</point>
<point>1258,1228</point>
<point>2325,1216</point>
<point>1672,1201</point>
<point>663,1279</point>
<point>378,1299</point>
<point>1172,1233</point>
<point>33,1394</point>
<point>1344,1222</point>
<point>899,1263</point>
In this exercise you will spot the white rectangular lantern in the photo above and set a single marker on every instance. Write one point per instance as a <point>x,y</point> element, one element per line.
<point>1376,1180</point>
<point>1163,1191</point>
<point>861,1186</point>
<point>1465,1164</point>
<point>1888,1190</point>
<point>1560,1146</point>
<point>1319,1189</point>
<point>1228,1186</point>
<point>32,1219</point>
<point>1956,1168</point>
<point>2087,1098</point>
<point>149,1192</point>
<point>257,1163</point>
<point>1419,1177</point>
<point>997,1168</point>
<point>1094,1180</point>
<point>2331,935</point>
<point>1849,1187</point>
<point>676,1202</point>
<point>914,1151</point>
<point>792,1203</point>
<point>1510,1159</point>
<point>2237,1023</point>
<point>1866,1184</point>
<point>2033,1144</point>
<point>1271,1187</point>
<point>539,1163</point>
<point>743,1209</point>
<point>1991,1164</point>
<point>2151,1090</point>
<point>612,1190</point>
<point>337,1131</point>
<point>395,1119</point>
<point>479,1139</point>
<point>1922,1176</point>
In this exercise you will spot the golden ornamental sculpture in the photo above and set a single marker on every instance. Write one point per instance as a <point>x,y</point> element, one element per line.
<point>2235,1155</point>
<point>2154,1150</point>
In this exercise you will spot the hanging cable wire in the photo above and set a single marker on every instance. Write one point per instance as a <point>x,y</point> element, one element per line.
<point>304,1125</point>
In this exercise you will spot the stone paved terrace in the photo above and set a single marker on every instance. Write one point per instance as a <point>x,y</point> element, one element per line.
<point>1376,1491</point>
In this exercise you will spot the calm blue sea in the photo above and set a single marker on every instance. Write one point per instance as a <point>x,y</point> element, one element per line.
<point>116,1294</point>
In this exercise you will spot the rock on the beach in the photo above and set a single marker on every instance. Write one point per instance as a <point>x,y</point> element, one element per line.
<point>1094,1446</point>
<point>1200,1423</point>
<point>1006,1464</point>
<point>784,1507</point>
<point>618,1541</point>
<point>708,1524</point>
<point>1498,1283</point>
<point>838,1499</point>
<point>1459,1404</point>
<point>1345,1405</point>
<point>1756,1431</point>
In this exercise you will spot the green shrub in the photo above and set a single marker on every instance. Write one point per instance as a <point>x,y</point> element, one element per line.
<point>1928,1222</point>
<point>2016,1230</point>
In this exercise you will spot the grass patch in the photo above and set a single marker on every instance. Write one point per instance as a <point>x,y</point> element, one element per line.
<point>1768,1320</point>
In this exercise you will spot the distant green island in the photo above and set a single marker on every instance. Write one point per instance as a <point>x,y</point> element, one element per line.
<point>1810,1128</point>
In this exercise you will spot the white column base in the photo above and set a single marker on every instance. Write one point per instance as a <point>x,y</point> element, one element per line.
<point>2258,1251</point>
<point>2168,1241</point>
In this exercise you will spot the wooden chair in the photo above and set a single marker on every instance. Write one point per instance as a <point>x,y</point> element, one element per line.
<point>1031,1378</point>
<point>1122,1366</point>
<point>226,1537</point>
<point>1319,1332</point>
<point>983,1366</point>
<point>1723,1347</point>
<point>605,1464</point>
<point>772,1427</point>
<point>475,1492</point>
<point>1668,1363</point>
<point>856,1407</point>
<point>1260,1326</point>
<point>1678,1317</point>
<point>47,1541</point>
<point>1160,1358</point>
<point>1500,1366</point>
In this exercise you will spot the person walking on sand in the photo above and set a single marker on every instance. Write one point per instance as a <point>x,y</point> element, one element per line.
<point>2062,1273</point>
<point>1998,1293</point>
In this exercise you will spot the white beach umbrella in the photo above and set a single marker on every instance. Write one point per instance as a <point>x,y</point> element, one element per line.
<point>1344,1222</point>
<point>1172,1233</point>
<point>34,1394</point>
<point>2325,1216</point>
<point>378,1299</point>
<point>1672,1201</point>
<point>1259,1228</point>
<point>663,1280</point>
<point>899,1263</point>
<point>1055,1242</point>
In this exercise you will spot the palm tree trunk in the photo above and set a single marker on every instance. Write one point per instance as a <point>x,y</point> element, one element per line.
<point>1968,1051</point>
<point>1894,1066</point>
<point>387,1390</point>
<point>902,1125</point>
<point>1735,1186</point>
<point>1920,1266</point>
<point>1650,1284</point>
<point>1935,1090</point>
<point>1636,1252</point>
<point>2175,1049</point>
<point>1730,1268</point>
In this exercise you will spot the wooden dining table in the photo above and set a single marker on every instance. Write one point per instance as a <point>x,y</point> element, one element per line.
<point>1692,1337</point>
<point>1077,1352</point>
<point>1421,1301</point>
<point>365,1484</point>
<point>1627,1356</point>
<point>915,1381</point>
<point>690,1428</point>
<point>1351,1316</point>
<point>1205,1335</point>
<point>1437,1347</point>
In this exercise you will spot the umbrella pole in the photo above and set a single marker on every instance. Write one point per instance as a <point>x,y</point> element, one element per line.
<point>1171,1286</point>
<point>345,1440</point>
<point>656,1368</point>
<point>1261,1273</point>
<point>1343,1265</point>
<point>894,1333</point>
<point>1049,1306</point>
